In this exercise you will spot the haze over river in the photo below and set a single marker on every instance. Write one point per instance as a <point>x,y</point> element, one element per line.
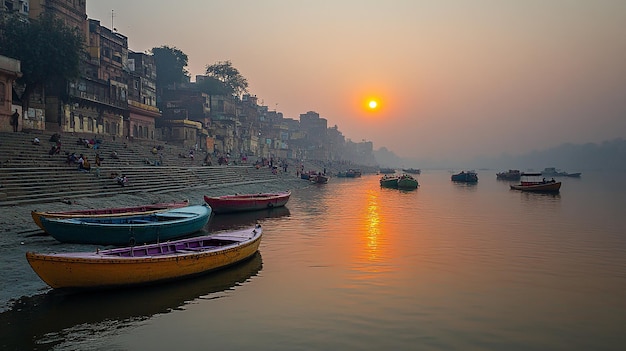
<point>350,266</point>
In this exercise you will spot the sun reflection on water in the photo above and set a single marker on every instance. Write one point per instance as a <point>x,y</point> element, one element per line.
<point>373,226</point>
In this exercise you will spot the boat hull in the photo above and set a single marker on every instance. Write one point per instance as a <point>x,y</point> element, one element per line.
<point>108,212</point>
<point>407,183</point>
<point>538,187</point>
<point>319,179</point>
<point>247,202</point>
<point>125,230</point>
<point>465,177</point>
<point>512,174</point>
<point>389,182</point>
<point>353,173</point>
<point>103,269</point>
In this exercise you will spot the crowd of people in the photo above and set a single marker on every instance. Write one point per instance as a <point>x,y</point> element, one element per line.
<point>83,163</point>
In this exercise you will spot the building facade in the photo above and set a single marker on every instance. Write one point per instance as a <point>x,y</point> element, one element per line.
<point>142,107</point>
<point>9,71</point>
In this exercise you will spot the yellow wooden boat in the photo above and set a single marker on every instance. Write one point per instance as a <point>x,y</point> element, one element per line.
<point>145,264</point>
<point>108,212</point>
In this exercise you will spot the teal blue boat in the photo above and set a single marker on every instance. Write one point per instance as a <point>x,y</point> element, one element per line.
<point>465,177</point>
<point>150,228</point>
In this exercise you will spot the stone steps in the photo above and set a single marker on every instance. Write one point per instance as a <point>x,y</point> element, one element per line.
<point>28,185</point>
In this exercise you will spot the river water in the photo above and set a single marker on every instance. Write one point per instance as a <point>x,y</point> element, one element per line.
<point>350,266</point>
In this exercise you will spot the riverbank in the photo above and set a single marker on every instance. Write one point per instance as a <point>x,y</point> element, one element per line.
<point>20,234</point>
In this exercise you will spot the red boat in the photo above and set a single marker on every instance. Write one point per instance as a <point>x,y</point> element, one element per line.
<point>247,202</point>
<point>108,212</point>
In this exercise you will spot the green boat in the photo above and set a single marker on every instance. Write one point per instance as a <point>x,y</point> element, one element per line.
<point>389,181</point>
<point>407,182</point>
<point>156,227</point>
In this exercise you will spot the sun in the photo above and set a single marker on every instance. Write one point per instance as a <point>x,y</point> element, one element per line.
<point>371,105</point>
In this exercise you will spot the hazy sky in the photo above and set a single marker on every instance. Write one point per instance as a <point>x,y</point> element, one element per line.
<point>454,79</point>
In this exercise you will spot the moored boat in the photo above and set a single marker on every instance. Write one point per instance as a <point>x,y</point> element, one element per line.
<point>247,202</point>
<point>387,171</point>
<point>511,174</point>
<point>465,177</point>
<point>553,172</point>
<point>531,183</point>
<point>128,230</point>
<point>389,181</point>
<point>145,264</point>
<point>307,175</point>
<point>319,178</point>
<point>353,173</point>
<point>108,212</point>
<point>412,171</point>
<point>406,182</point>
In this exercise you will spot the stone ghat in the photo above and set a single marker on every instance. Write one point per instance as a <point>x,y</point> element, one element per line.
<point>29,175</point>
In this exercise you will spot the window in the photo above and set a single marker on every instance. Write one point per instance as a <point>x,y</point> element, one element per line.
<point>2,93</point>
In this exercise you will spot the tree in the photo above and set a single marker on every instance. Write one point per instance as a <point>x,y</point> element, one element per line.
<point>49,51</point>
<point>212,86</point>
<point>224,71</point>
<point>170,66</point>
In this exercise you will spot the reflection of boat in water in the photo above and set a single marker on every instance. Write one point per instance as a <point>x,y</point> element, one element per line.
<point>231,221</point>
<point>46,320</point>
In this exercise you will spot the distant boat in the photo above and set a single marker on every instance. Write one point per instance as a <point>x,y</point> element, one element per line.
<point>407,182</point>
<point>247,202</point>
<point>387,171</point>
<point>533,184</point>
<point>411,170</point>
<point>307,175</point>
<point>353,173</point>
<point>108,212</point>
<point>553,172</point>
<point>145,264</point>
<point>511,174</point>
<point>128,230</point>
<point>319,178</point>
<point>389,181</point>
<point>465,177</point>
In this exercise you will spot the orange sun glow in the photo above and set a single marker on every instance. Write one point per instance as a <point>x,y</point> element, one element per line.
<point>372,104</point>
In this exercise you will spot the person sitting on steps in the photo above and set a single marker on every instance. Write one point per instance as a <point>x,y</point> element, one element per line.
<point>122,180</point>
